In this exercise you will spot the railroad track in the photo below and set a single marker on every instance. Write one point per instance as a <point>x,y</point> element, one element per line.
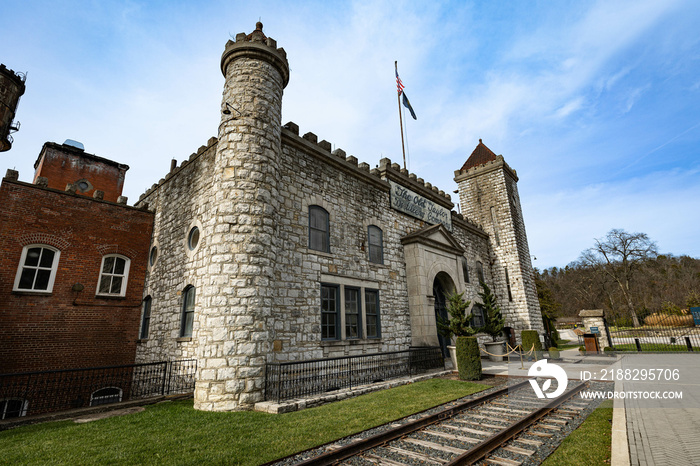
<point>504,427</point>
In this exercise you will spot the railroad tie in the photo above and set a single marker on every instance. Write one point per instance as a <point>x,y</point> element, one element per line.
<point>503,461</point>
<point>378,460</point>
<point>519,451</point>
<point>435,446</point>
<point>416,455</point>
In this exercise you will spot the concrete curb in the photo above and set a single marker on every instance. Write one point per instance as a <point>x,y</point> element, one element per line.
<point>620,450</point>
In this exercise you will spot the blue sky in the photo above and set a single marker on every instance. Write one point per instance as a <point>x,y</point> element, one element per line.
<point>594,103</point>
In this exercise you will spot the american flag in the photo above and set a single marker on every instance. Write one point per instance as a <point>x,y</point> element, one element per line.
<point>399,84</point>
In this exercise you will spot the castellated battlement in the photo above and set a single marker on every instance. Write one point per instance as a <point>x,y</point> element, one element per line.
<point>258,46</point>
<point>485,167</point>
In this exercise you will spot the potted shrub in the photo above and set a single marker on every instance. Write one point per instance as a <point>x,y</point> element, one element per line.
<point>494,324</point>
<point>458,325</point>
<point>530,339</point>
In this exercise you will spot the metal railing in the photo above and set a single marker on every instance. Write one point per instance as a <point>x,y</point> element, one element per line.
<point>658,332</point>
<point>57,390</point>
<point>285,380</point>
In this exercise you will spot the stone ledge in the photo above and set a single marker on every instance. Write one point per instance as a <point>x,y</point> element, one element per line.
<point>297,404</point>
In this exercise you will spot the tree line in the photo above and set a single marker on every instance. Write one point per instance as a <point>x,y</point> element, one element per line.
<point>623,274</point>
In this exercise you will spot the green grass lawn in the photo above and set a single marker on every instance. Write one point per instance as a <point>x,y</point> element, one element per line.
<point>590,443</point>
<point>174,433</point>
<point>566,344</point>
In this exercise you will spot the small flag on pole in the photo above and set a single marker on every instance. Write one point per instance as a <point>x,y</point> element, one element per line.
<point>399,89</point>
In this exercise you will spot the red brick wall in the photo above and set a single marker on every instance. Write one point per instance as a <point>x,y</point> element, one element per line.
<point>64,165</point>
<point>68,329</point>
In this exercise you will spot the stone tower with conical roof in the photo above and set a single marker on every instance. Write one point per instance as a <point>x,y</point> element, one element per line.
<point>488,194</point>
<point>236,303</point>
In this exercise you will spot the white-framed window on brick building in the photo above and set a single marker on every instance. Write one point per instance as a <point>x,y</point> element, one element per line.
<point>330,312</point>
<point>319,229</point>
<point>188,298</point>
<point>375,243</point>
<point>37,268</point>
<point>105,396</point>
<point>372,313</point>
<point>13,407</point>
<point>114,273</point>
<point>145,318</point>
<point>353,313</point>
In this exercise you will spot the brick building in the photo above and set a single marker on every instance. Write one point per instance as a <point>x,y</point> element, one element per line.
<point>72,269</point>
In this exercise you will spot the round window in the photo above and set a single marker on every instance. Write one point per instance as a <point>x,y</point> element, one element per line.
<point>153,256</point>
<point>83,185</point>
<point>193,238</point>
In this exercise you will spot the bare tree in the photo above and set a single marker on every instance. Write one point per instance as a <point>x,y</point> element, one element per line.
<point>618,256</point>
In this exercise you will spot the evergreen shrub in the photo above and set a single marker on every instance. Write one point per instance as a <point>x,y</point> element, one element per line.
<point>468,358</point>
<point>530,338</point>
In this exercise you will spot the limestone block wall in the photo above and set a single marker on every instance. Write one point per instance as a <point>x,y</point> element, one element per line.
<point>179,201</point>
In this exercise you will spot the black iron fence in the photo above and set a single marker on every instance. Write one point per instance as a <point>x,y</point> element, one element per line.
<point>659,331</point>
<point>48,391</point>
<point>287,380</point>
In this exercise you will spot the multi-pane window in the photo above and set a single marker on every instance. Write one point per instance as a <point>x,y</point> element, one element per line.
<point>105,396</point>
<point>465,269</point>
<point>187,311</point>
<point>352,313</point>
<point>12,407</point>
<point>145,318</point>
<point>372,313</point>
<point>376,248</point>
<point>330,311</point>
<point>478,320</point>
<point>319,235</point>
<point>113,276</point>
<point>37,270</point>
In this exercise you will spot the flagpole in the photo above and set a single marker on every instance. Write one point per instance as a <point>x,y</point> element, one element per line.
<point>398,100</point>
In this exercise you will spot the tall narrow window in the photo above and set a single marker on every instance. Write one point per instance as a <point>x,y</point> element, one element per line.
<point>187,311</point>
<point>372,313</point>
<point>480,271</point>
<point>352,313</point>
<point>330,310</point>
<point>145,318</point>
<point>510,295</point>
<point>376,247</point>
<point>495,226</point>
<point>319,237</point>
<point>37,269</point>
<point>113,276</point>
<point>465,269</point>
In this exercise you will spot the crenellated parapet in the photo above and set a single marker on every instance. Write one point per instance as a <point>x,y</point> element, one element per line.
<point>258,46</point>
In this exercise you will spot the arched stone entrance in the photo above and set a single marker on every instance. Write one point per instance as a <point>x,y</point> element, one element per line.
<point>442,287</point>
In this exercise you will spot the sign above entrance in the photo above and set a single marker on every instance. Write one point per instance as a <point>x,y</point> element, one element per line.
<point>415,205</point>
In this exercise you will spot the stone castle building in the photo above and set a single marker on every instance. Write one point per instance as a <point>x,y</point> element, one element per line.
<point>267,246</point>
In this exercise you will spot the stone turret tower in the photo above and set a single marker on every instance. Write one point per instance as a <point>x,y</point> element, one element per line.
<point>237,302</point>
<point>488,194</point>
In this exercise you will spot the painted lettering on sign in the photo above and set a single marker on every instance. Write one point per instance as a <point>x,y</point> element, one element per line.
<point>411,203</point>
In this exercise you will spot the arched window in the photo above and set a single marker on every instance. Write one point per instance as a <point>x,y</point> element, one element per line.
<point>319,234</point>
<point>37,268</point>
<point>187,311</point>
<point>478,320</point>
<point>106,395</point>
<point>375,241</point>
<point>145,318</point>
<point>13,407</point>
<point>465,269</point>
<point>114,274</point>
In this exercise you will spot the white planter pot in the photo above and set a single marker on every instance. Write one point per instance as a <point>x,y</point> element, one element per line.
<point>496,350</point>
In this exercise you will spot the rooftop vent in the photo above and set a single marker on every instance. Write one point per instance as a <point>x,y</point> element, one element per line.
<point>76,144</point>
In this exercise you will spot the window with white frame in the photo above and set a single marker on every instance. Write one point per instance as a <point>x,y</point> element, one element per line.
<point>375,242</point>
<point>187,311</point>
<point>114,274</point>
<point>105,396</point>
<point>37,268</point>
<point>13,407</point>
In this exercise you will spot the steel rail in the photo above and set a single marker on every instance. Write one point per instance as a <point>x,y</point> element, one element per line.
<point>356,447</point>
<point>483,449</point>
